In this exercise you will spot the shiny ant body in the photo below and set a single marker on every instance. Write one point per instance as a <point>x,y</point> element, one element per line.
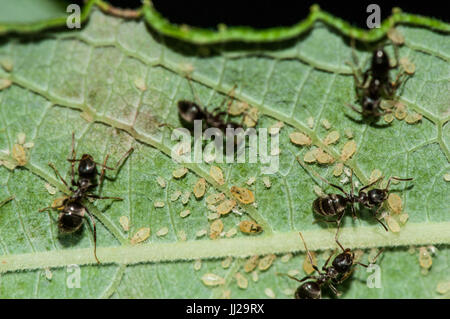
<point>190,111</point>
<point>72,209</point>
<point>375,84</point>
<point>334,205</point>
<point>341,268</point>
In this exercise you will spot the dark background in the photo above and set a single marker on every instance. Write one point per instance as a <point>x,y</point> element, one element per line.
<point>270,13</point>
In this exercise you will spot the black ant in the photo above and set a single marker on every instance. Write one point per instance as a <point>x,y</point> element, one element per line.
<point>375,84</point>
<point>73,210</point>
<point>341,268</point>
<point>334,205</point>
<point>189,111</point>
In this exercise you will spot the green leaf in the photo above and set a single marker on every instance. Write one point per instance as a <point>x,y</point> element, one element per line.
<point>85,81</point>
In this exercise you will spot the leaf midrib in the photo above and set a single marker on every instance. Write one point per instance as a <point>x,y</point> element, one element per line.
<point>278,243</point>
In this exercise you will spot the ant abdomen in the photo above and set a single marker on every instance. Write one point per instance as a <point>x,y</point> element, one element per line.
<point>308,290</point>
<point>380,63</point>
<point>376,196</point>
<point>87,167</point>
<point>72,217</point>
<point>331,205</point>
<point>189,112</point>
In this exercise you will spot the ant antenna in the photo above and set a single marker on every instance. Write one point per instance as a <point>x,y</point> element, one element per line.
<point>197,100</point>
<point>308,253</point>
<point>6,200</point>
<point>317,174</point>
<point>397,179</point>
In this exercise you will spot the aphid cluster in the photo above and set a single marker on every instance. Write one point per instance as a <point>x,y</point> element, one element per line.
<point>371,87</point>
<point>72,208</point>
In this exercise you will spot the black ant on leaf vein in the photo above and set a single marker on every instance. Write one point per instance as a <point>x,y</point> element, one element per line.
<point>374,84</point>
<point>341,268</point>
<point>190,111</point>
<point>72,209</point>
<point>334,205</point>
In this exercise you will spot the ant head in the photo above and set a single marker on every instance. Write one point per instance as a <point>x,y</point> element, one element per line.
<point>380,60</point>
<point>189,112</point>
<point>376,196</point>
<point>87,166</point>
<point>344,261</point>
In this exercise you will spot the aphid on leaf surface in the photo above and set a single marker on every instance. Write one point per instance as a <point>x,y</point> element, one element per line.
<point>374,84</point>
<point>341,268</point>
<point>72,210</point>
<point>334,205</point>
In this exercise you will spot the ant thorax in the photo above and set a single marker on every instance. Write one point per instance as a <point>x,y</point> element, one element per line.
<point>377,196</point>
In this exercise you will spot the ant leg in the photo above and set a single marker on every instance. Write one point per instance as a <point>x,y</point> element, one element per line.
<point>50,208</point>
<point>355,64</point>
<point>382,224</point>
<point>351,182</point>
<point>368,185</point>
<point>230,95</point>
<point>334,290</point>
<point>346,275</point>
<point>328,260</point>
<point>197,100</point>
<point>373,261</point>
<point>353,108</point>
<point>6,200</point>
<point>296,279</point>
<point>309,254</point>
<point>57,174</point>
<point>324,220</point>
<point>323,179</point>
<point>397,179</point>
<point>396,56</point>
<point>119,162</point>
<point>73,159</point>
<point>378,220</point>
<point>166,124</point>
<point>337,241</point>
<point>101,197</point>
<point>352,196</point>
<point>102,174</point>
<point>220,113</point>
<point>45,209</point>
<point>95,234</point>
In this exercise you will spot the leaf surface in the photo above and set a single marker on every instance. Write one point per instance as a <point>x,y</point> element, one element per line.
<point>85,81</point>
